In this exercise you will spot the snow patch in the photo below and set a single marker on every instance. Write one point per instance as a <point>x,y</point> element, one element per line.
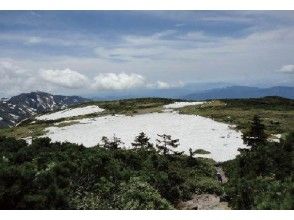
<point>28,140</point>
<point>71,112</point>
<point>275,138</point>
<point>181,104</point>
<point>193,132</point>
<point>11,106</point>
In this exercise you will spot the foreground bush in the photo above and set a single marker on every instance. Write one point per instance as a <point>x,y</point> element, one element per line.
<point>47,175</point>
<point>262,177</point>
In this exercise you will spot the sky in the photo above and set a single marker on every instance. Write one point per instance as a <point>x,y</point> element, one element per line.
<point>90,52</point>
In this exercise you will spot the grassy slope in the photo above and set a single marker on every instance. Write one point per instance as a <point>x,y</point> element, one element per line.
<point>277,113</point>
<point>133,106</point>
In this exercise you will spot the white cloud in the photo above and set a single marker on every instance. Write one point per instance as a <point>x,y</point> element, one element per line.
<point>14,78</point>
<point>114,81</point>
<point>47,39</point>
<point>8,67</point>
<point>198,56</point>
<point>164,85</point>
<point>287,68</point>
<point>64,78</point>
<point>253,57</point>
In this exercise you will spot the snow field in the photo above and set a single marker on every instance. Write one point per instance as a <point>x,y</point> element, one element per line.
<point>71,112</point>
<point>194,132</point>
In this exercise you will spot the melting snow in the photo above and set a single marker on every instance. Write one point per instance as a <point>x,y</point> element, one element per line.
<point>14,116</point>
<point>71,112</point>
<point>193,132</point>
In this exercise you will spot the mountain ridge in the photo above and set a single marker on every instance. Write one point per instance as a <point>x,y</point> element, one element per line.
<point>26,105</point>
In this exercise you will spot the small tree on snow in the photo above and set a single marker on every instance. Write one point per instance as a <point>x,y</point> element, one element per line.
<point>142,141</point>
<point>111,144</point>
<point>192,153</point>
<point>165,142</point>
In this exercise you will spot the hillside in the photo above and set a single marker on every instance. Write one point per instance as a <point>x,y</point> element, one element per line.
<point>142,175</point>
<point>92,156</point>
<point>26,105</point>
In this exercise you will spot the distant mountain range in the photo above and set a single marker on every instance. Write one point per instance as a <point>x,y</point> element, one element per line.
<point>199,91</point>
<point>233,92</point>
<point>26,105</point>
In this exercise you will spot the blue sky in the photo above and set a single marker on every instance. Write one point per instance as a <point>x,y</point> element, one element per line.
<point>87,52</point>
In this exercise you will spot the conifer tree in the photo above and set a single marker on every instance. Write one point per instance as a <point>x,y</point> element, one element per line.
<point>256,135</point>
<point>142,141</point>
<point>165,142</point>
<point>111,144</point>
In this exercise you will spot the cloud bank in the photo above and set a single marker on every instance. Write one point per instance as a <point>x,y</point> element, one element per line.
<point>17,79</point>
<point>64,78</point>
<point>13,78</point>
<point>113,81</point>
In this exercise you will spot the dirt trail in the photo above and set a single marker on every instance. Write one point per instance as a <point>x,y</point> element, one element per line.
<point>207,201</point>
<point>203,202</point>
